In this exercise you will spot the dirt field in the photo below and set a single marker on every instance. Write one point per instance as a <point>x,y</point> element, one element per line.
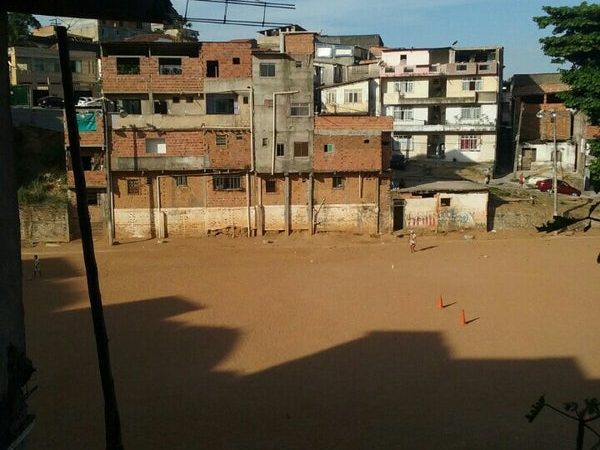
<point>334,342</point>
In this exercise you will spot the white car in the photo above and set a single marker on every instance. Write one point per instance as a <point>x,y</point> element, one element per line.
<point>89,102</point>
<point>531,181</point>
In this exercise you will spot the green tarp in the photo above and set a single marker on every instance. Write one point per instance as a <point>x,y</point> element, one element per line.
<point>86,121</point>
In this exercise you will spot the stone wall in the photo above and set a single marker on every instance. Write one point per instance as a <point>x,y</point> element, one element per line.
<point>41,223</point>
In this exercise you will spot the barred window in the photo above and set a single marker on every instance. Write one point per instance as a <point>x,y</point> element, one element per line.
<point>300,149</point>
<point>300,109</point>
<point>221,139</point>
<point>133,187</point>
<point>227,182</point>
<point>181,180</point>
<point>469,142</point>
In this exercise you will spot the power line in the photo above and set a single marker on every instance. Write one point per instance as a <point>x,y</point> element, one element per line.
<point>251,23</point>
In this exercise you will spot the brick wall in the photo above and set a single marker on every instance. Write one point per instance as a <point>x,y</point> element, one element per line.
<point>299,43</point>
<point>234,155</point>
<point>224,53</point>
<point>149,79</point>
<point>369,151</point>
<point>533,128</point>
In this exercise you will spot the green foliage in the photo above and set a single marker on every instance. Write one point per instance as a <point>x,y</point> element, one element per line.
<point>576,39</point>
<point>19,27</point>
<point>46,191</point>
<point>536,408</point>
<point>595,165</point>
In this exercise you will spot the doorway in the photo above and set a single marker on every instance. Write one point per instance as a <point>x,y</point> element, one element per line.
<point>398,206</point>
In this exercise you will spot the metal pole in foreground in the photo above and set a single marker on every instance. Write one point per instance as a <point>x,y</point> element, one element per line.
<point>111,411</point>
<point>554,177</point>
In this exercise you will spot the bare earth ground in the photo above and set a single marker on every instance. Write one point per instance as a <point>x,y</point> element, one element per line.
<point>334,342</point>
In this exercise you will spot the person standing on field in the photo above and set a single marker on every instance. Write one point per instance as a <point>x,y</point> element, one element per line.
<point>412,241</point>
<point>37,270</point>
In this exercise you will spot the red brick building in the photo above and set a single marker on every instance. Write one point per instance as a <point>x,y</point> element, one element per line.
<point>190,143</point>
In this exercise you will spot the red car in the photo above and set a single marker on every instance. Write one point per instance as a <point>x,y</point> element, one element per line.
<point>563,187</point>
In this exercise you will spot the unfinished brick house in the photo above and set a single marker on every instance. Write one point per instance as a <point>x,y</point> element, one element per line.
<point>216,135</point>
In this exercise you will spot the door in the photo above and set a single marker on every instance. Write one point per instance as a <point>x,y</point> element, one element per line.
<point>399,214</point>
<point>528,156</point>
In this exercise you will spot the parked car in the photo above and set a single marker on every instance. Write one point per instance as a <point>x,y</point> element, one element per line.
<point>563,187</point>
<point>532,180</point>
<point>51,102</point>
<point>398,161</point>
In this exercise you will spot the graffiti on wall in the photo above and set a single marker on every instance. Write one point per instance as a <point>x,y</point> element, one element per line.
<point>451,217</point>
<point>424,220</point>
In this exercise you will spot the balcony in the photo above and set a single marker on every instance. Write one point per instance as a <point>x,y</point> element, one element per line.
<point>475,125</point>
<point>460,68</point>
<point>180,122</point>
<point>159,163</point>
<point>93,178</point>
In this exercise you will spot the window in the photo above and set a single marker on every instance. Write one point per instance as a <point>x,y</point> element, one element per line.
<point>131,106</point>
<point>212,69</point>
<point>461,67</point>
<point>403,58</point>
<point>471,84</point>
<point>300,109</point>
<point>128,66</point>
<point>267,69</point>
<point>328,148</point>
<point>352,96</point>
<point>265,142</point>
<point>92,198</point>
<point>221,139</point>
<point>268,103</point>
<point>156,145</point>
<point>337,182</point>
<point>176,99</point>
<point>181,181</point>
<point>133,187</point>
<point>405,86</point>
<point>332,97</point>
<point>189,99</point>
<point>245,100</point>
<point>227,182</point>
<point>235,60</point>
<point>271,186</point>
<point>298,64</point>
<point>169,66</point>
<point>300,149</point>
<point>38,64</point>
<point>75,66</point>
<point>484,67</point>
<point>403,113</point>
<point>403,141</point>
<point>469,143</point>
<point>280,150</point>
<point>160,107</point>
<point>444,202</point>
<point>221,104</point>
<point>470,113</point>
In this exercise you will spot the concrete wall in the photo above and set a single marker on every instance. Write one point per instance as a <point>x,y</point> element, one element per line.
<point>41,223</point>
<point>485,153</point>
<point>340,105</point>
<point>466,210</point>
<point>489,115</point>
<point>291,74</point>
<point>454,86</point>
<point>392,96</point>
<point>48,119</point>
<point>544,154</point>
<point>413,58</point>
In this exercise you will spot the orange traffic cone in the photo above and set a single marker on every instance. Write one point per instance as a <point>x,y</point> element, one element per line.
<point>463,321</point>
<point>440,302</point>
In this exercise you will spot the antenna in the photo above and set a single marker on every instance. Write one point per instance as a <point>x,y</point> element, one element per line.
<point>251,23</point>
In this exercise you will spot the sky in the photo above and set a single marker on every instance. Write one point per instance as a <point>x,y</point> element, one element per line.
<point>402,23</point>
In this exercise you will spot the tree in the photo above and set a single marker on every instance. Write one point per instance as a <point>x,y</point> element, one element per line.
<point>582,414</point>
<point>19,27</point>
<point>576,40</point>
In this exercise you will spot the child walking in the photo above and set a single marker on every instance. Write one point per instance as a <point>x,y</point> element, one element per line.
<point>412,241</point>
<point>37,270</point>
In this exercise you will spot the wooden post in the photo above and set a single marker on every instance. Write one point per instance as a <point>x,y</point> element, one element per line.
<point>248,204</point>
<point>12,325</point>
<point>111,411</point>
<point>286,205</point>
<point>311,202</point>
<point>259,210</point>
